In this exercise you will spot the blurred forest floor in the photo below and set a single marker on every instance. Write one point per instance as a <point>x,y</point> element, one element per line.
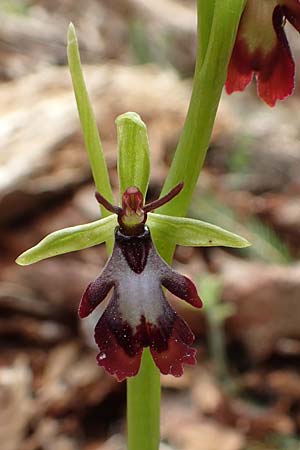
<point>244,394</point>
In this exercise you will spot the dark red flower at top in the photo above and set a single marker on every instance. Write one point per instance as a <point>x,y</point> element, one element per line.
<point>262,49</point>
<point>138,314</point>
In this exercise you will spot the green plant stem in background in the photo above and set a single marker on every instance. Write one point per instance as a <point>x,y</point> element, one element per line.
<point>216,312</point>
<point>209,78</point>
<point>143,406</point>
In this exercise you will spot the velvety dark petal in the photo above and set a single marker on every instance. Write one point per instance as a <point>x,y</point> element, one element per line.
<point>178,352</point>
<point>240,70</point>
<point>291,10</point>
<point>255,40</point>
<point>181,286</point>
<point>135,249</point>
<point>275,80</point>
<point>94,294</point>
<point>170,339</point>
<point>120,351</point>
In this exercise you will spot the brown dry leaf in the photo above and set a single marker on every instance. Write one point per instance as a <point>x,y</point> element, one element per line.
<point>37,163</point>
<point>186,430</point>
<point>286,383</point>
<point>47,436</point>
<point>178,383</point>
<point>17,405</point>
<point>254,421</point>
<point>264,297</point>
<point>72,381</point>
<point>206,393</point>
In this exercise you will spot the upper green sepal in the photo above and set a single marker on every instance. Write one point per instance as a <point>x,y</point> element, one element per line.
<point>69,240</point>
<point>133,152</point>
<point>192,232</point>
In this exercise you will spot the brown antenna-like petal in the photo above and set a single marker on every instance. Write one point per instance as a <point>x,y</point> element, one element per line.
<point>166,198</point>
<point>107,205</point>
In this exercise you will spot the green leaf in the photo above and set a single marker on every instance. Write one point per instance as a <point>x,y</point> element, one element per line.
<point>69,240</point>
<point>192,232</point>
<point>133,156</point>
<point>88,121</point>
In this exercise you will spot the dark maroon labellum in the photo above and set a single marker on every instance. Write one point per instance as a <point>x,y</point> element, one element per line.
<point>135,248</point>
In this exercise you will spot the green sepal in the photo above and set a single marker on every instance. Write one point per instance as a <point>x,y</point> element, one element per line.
<point>133,152</point>
<point>69,240</point>
<point>192,232</point>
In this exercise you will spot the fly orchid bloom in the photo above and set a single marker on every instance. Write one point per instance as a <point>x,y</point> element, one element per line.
<point>138,314</point>
<point>262,49</point>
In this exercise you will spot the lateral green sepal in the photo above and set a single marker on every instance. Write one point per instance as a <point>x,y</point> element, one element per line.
<point>69,240</point>
<point>192,232</point>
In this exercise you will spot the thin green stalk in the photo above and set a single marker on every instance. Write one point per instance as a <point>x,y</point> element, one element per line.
<point>143,406</point>
<point>209,79</point>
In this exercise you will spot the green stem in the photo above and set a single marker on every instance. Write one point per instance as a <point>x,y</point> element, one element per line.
<point>210,76</point>
<point>143,406</point>
<point>217,348</point>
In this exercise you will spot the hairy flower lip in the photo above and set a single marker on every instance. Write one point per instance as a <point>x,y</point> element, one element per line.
<point>262,50</point>
<point>138,314</point>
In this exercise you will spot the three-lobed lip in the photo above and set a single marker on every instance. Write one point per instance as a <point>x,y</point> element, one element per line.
<point>138,314</point>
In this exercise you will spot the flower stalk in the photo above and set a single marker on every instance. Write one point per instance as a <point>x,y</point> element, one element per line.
<point>143,406</point>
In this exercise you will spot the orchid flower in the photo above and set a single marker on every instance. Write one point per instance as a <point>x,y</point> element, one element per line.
<point>261,49</point>
<point>138,314</point>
